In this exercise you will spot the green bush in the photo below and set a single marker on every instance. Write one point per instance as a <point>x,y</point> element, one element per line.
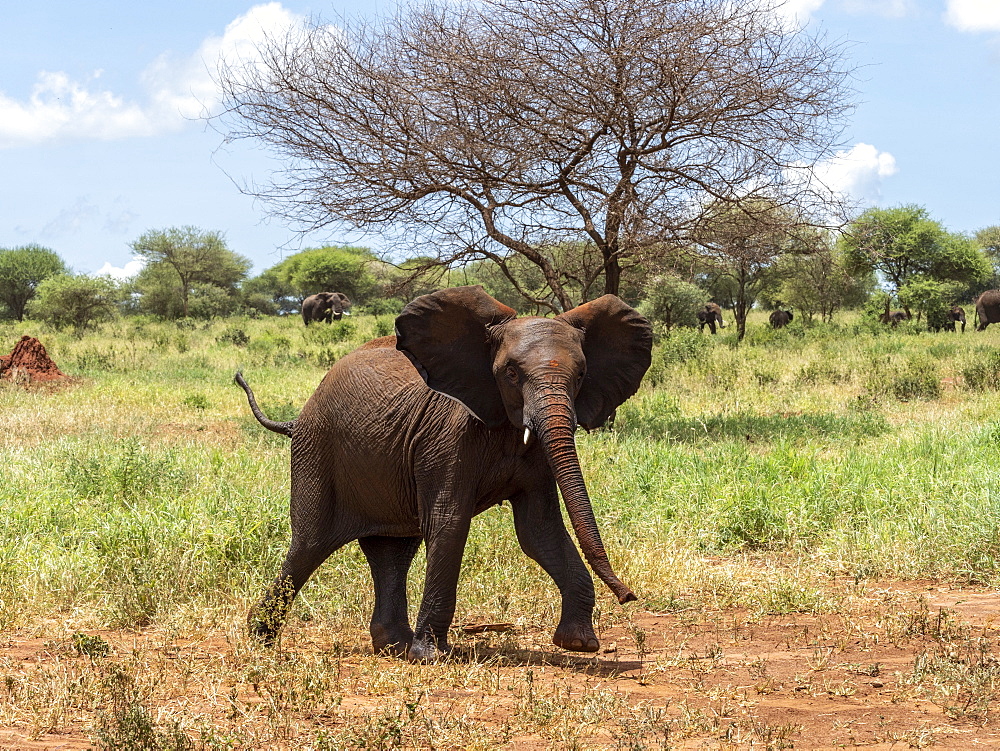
<point>918,377</point>
<point>672,302</point>
<point>981,372</point>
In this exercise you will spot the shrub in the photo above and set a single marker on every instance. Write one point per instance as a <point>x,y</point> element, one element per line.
<point>982,371</point>
<point>672,302</point>
<point>917,378</point>
<point>78,301</point>
<point>233,335</point>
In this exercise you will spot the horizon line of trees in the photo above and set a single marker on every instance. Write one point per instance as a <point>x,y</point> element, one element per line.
<point>741,260</point>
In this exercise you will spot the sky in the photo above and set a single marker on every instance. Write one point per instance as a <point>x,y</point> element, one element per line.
<point>102,136</point>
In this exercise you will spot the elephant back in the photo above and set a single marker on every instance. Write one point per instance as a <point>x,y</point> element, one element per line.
<point>988,306</point>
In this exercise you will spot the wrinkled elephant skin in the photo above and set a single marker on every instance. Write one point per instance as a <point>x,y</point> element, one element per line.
<point>409,437</point>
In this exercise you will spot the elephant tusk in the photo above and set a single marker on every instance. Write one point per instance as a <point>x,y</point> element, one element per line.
<point>527,435</point>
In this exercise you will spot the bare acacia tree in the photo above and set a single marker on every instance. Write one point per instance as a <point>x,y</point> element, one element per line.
<point>494,128</point>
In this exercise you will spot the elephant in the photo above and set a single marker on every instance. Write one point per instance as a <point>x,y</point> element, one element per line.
<point>988,308</point>
<point>956,315</point>
<point>410,436</point>
<point>325,306</point>
<point>711,315</point>
<point>947,320</point>
<point>893,317</point>
<point>780,318</point>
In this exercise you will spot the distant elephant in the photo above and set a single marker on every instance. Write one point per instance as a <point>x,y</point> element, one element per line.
<point>893,317</point>
<point>956,315</point>
<point>325,306</point>
<point>780,318</point>
<point>709,316</point>
<point>988,308</point>
<point>947,320</point>
<point>409,437</point>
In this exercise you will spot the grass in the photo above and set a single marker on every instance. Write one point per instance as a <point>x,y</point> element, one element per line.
<point>144,494</point>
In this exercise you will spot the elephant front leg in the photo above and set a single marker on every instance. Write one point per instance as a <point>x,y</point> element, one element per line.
<point>389,559</point>
<point>445,538</point>
<point>543,537</point>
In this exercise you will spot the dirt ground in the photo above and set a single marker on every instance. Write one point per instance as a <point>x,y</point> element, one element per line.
<point>910,665</point>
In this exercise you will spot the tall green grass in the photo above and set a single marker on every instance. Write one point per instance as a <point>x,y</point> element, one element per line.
<point>144,492</point>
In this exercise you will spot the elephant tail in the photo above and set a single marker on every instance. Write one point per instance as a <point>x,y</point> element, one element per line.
<point>285,428</point>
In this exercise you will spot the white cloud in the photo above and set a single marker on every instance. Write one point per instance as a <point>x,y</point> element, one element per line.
<point>973,15</point>
<point>128,271</point>
<point>176,90</point>
<point>798,12</point>
<point>59,106</point>
<point>857,173</point>
<point>885,8</point>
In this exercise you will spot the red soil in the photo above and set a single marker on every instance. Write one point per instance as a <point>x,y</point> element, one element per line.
<point>29,358</point>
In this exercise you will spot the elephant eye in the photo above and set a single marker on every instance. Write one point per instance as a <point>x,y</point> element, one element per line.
<point>511,372</point>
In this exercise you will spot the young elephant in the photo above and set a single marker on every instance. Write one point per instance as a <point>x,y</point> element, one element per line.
<point>955,316</point>
<point>409,437</point>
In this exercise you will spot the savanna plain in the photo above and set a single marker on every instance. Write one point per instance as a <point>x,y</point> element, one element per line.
<point>811,520</point>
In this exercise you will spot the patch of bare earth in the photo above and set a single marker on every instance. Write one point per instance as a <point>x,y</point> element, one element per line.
<point>913,665</point>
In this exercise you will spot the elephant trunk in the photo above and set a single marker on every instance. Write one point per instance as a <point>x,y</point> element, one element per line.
<point>554,423</point>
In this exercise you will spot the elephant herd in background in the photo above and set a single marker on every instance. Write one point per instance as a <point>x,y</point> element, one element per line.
<point>987,307</point>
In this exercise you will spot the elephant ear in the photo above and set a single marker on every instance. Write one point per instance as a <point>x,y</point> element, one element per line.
<point>446,336</point>
<point>618,345</point>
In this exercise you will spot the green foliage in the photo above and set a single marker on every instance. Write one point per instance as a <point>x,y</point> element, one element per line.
<point>268,294</point>
<point>680,346</point>
<point>904,244</point>
<point>21,271</point>
<point>125,473</point>
<point>77,301</point>
<point>820,283</point>
<point>981,371</point>
<point>91,645</point>
<point>930,298</point>
<point>671,301</point>
<point>332,269</point>
<point>918,377</point>
<point>128,726</point>
<point>188,272</point>
<point>233,335</point>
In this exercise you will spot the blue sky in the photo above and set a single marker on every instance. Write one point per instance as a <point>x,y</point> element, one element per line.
<point>100,138</point>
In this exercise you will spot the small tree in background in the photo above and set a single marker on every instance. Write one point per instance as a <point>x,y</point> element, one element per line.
<point>22,270</point>
<point>77,301</point>
<point>179,259</point>
<point>820,283</point>
<point>741,249</point>
<point>331,269</point>
<point>671,301</point>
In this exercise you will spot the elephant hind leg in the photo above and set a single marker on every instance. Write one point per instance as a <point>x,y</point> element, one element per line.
<point>302,559</point>
<point>389,559</point>
<point>316,534</point>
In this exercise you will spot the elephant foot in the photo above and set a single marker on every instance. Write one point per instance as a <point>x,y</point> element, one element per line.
<point>262,631</point>
<point>576,637</point>
<point>392,642</point>
<point>426,651</point>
